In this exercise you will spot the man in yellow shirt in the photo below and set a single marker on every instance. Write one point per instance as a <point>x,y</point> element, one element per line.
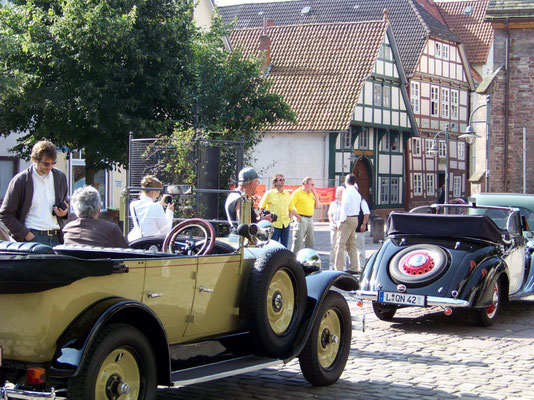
<point>306,201</point>
<point>278,201</point>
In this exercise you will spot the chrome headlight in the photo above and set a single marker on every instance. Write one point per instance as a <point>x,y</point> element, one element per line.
<point>265,231</point>
<point>309,259</point>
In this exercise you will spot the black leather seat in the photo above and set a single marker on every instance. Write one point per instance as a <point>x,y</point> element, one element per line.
<point>25,247</point>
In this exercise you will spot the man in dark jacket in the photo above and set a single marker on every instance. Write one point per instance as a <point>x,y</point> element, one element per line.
<point>35,206</point>
<point>88,229</point>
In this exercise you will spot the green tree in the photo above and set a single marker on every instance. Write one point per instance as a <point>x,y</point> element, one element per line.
<point>86,73</point>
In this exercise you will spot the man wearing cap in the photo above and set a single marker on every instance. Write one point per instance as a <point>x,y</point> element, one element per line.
<point>278,201</point>
<point>306,201</point>
<point>248,182</point>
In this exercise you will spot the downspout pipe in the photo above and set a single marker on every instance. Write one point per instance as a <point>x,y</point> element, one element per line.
<point>506,104</point>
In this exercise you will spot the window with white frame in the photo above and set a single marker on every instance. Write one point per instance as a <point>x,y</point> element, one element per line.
<point>434,101</point>
<point>442,148</point>
<point>457,186</point>
<point>416,146</point>
<point>414,96</point>
<point>444,103</point>
<point>77,174</point>
<point>430,188</point>
<point>385,142</point>
<point>8,169</point>
<point>445,52</point>
<point>438,50</point>
<point>417,184</point>
<point>454,104</point>
<point>363,139</point>
<point>395,190</point>
<point>346,140</point>
<point>384,190</point>
<point>461,151</point>
<point>387,97</point>
<point>377,98</point>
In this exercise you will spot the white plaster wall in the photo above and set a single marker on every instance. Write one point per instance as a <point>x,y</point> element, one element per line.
<point>294,155</point>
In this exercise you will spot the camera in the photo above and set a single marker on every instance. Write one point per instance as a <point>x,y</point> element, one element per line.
<point>61,206</point>
<point>274,217</point>
<point>167,199</point>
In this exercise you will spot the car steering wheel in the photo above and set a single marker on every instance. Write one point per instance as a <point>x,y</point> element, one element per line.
<point>191,245</point>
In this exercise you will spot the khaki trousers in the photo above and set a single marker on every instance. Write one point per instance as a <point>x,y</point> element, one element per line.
<point>303,235</point>
<point>346,240</point>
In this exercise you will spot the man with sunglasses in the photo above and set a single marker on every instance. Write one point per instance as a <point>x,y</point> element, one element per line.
<point>35,206</point>
<point>278,201</point>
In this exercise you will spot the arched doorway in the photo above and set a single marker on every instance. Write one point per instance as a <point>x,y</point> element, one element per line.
<point>362,170</point>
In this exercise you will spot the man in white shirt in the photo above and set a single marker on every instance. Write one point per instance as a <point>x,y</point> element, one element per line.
<point>334,210</point>
<point>346,236</point>
<point>35,207</point>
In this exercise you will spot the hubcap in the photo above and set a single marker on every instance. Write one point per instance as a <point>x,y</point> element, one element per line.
<point>281,297</point>
<point>328,340</point>
<point>492,309</point>
<point>118,377</point>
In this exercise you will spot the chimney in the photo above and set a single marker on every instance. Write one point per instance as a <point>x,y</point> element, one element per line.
<point>386,14</point>
<point>265,41</point>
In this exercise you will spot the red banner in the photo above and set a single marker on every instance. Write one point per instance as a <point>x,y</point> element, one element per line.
<point>326,195</point>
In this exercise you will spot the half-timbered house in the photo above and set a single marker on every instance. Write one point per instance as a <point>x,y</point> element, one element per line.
<point>346,85</point>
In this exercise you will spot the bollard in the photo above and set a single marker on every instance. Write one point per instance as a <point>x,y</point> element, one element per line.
<point>377,229</point>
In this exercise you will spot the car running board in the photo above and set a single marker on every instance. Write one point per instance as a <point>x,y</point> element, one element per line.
<point>222,369</point>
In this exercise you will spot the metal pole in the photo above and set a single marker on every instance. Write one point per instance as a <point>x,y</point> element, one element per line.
<point>488,116</point>
<point>524,160</point>
<point>447,163</point>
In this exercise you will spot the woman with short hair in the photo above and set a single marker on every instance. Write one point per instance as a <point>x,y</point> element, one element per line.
<point>149,217</point>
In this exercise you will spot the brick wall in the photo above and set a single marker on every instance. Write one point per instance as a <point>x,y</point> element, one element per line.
<point>509,178</point>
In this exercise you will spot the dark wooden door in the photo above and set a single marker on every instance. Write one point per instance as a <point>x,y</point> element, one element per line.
<point>363,177</point>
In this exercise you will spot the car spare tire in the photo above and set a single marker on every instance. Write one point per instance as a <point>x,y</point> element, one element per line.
<point>276,302</point>
<point>418,264</point>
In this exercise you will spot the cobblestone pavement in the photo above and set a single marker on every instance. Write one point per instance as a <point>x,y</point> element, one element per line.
<point>421,354</point>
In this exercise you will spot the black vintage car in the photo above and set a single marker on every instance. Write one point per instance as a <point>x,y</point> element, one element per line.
<point>450,256</point>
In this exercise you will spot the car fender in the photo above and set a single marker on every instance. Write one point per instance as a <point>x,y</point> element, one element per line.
<point>75,342</point>
<point>482,279</point>
<point>319,283</point>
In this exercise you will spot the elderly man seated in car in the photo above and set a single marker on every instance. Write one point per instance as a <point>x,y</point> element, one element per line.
<point>88,229</point>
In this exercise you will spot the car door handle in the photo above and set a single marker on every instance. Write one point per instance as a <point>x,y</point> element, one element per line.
<point>203,289</point>
<point>153,295</point>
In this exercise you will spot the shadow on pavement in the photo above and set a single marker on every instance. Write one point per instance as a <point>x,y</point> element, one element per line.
<point>272,384</point>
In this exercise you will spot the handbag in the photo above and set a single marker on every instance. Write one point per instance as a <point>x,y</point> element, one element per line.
<point>360,221</point>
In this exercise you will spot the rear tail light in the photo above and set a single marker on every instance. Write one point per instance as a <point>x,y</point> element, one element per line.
<point>35,376</point>
<point>359,303</point>
<point>448,311</point>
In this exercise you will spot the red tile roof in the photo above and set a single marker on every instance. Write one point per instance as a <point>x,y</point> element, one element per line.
<point>476,34</point>
<point>319,69</point>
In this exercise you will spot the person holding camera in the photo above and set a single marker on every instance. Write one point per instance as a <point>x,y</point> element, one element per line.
<point>35,207</point>
<point>151,218</point>
<point>87,228</point>
<point>278,202</point>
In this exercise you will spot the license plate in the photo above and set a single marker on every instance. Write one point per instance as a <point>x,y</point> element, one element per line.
<point>404,299</point>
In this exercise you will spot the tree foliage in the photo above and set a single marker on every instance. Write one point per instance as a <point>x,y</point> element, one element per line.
<point>86,73</point>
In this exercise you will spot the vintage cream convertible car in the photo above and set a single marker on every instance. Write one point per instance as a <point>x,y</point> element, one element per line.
<point>101,323</point>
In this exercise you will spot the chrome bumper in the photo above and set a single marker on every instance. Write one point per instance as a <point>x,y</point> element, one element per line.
<point>431,301</point>
<point>6,394</point>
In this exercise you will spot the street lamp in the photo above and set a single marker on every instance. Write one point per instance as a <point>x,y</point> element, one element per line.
<point>470,135</point>
<point>434,150</point>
